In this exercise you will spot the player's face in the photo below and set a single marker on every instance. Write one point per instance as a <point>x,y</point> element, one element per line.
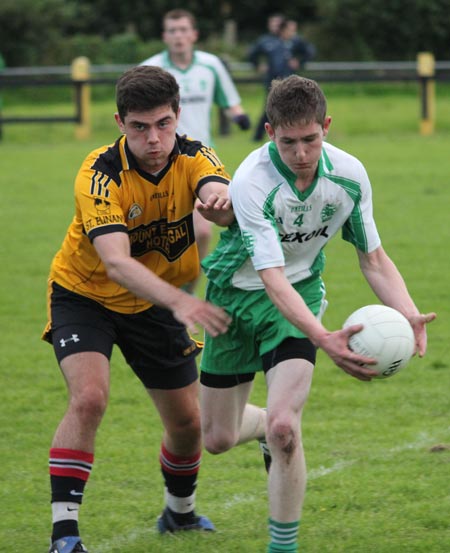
<point>179,35</point>
<point>150,136</point>
<point>300,146</point>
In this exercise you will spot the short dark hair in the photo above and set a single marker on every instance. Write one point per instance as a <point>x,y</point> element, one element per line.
<point>178,14</point>
<point>294,100</point>
<point>144,88</point>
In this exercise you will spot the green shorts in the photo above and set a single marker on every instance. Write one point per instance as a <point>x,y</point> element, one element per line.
<point>257,326</point>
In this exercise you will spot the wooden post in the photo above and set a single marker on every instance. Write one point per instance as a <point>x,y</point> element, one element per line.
<point>426,74</point>
<point>81,73</point>
<point>230,33</point>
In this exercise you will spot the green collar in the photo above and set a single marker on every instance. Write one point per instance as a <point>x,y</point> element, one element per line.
<point>169,63</point>
<point>283,169</point>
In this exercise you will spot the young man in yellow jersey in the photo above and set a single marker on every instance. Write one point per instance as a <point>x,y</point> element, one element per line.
<point>117,280</point>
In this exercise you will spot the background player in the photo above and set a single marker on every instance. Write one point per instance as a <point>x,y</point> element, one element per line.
<point>204,81</point>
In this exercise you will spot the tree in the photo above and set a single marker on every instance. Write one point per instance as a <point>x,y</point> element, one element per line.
<point>47,32</point>
<point>383,29</point>
<point>31,29</point>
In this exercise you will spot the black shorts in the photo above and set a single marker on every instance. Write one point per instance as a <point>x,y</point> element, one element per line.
<point>156,346</point>
<point>291,348</point>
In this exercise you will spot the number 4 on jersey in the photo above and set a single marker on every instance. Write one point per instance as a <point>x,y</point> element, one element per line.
<point>299,220</point>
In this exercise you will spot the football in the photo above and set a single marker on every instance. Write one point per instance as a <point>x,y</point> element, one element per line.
<point>387,337</point>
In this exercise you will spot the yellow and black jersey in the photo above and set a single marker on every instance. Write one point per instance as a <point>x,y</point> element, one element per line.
<point>113,195</point>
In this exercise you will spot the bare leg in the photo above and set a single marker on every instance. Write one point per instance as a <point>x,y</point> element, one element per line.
<point>227,418</point>
<point>72,451</point>
<point>180,457</point>
<point>253,426</point>
<point>288,384</point>
<point>180,414</point>
<point>87,378</point>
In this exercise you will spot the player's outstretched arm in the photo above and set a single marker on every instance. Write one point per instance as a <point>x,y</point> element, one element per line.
<point>114,251</point>
<point>387,283</point>
<point>335,344</point>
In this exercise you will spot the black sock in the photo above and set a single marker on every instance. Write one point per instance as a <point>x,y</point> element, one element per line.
<point>64,528</point>
<point>183,518</point>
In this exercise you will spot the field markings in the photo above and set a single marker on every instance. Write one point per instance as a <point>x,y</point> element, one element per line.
<point>314,474</point>
<point>239,499</point>
<point>423,440</point>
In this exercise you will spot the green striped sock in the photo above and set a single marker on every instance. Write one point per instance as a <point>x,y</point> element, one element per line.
<point>283,536</point>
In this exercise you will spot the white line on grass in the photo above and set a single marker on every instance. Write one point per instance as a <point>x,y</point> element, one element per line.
<point>239,499</point>
<point>423,440</point>
<point>313,474</point>
<point>125,540</point>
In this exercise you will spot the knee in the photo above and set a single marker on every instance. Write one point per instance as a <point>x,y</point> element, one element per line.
<point>90,404</point>
<point>283,434</point>
<point>185,429</point>
<point>218,442</point>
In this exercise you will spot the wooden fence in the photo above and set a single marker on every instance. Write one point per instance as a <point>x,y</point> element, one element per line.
<point>81,75</point>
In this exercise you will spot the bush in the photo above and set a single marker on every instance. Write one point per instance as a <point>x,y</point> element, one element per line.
<point>123,48</point>
<point>32,30</point>
<point>382,30</point>
<point>53,32</point>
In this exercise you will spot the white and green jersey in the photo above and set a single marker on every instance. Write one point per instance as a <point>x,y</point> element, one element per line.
<point>279,226</point>
<point>204,83</point>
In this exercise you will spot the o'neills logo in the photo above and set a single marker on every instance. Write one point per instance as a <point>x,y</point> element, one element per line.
<point>171,239</point>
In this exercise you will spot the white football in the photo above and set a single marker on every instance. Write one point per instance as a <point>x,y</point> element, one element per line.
<point>387,337</point>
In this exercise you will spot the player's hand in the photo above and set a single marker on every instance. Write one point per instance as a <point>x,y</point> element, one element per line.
<point>243,121</point>
<point>192,311</point>
<point>217,209</point>
<point>418,323</point>
<point>335,344</point>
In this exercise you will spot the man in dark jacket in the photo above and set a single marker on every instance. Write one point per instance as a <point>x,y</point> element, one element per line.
<point>278,54</point>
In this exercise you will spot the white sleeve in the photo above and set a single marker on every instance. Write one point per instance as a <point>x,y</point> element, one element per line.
<point>226,94</point>
<point>153,60</point>
<point>360,229</point>
<point>255,218</point>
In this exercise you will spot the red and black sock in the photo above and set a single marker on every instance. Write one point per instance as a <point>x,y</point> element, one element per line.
<point>180,477</point>
<point>69,472</point>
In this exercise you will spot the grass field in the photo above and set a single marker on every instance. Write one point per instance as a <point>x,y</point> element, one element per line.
<point>378,453</point>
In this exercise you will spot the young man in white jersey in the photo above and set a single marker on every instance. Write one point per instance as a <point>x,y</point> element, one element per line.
<point>204,81</point>
<point>289,197</point>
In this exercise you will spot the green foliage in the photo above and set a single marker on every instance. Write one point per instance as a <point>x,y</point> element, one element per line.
<point>51,32</point>
<point>92,46</point>
<point>383,30</point>
<point>126,48</point>
<point>32,29</point>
